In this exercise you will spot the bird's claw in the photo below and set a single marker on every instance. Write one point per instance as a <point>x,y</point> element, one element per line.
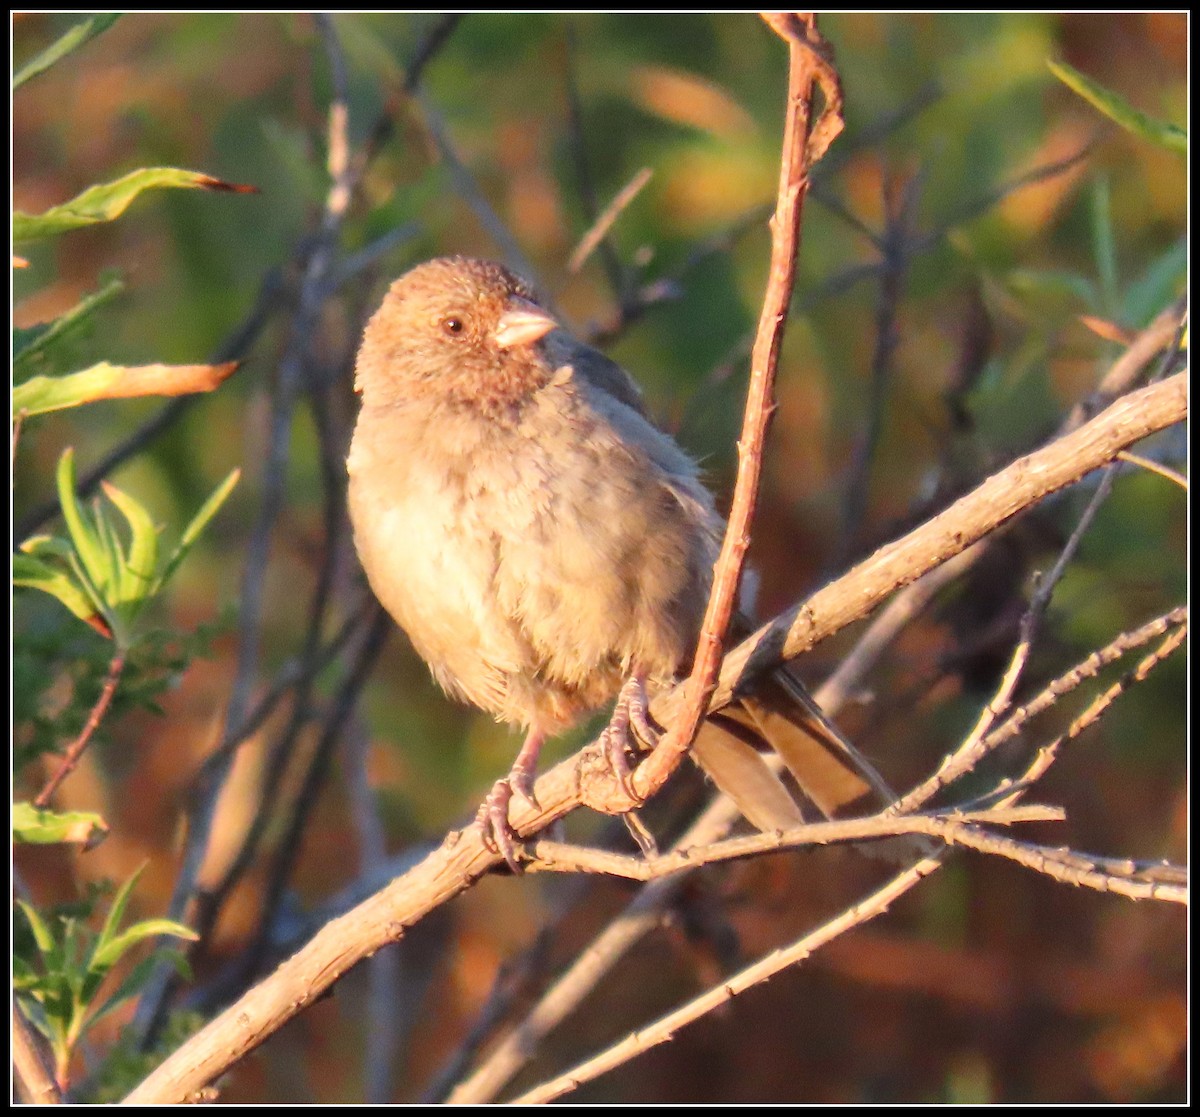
<point>498,834</point>
<point>628,730</point>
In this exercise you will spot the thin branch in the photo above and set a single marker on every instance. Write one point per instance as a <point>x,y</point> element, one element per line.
<point>1155,467</point>
<point>75,750</point>
<point>804,141</point>
<point>558,857</point>
<point>1086,669</point>
<point>1122,878</point>
<point>427,48</point>
<point>899,207</point>
<point>1046,753</point>
<point>665,1027</point>
<point>605,220</point>
<point>468,189</point>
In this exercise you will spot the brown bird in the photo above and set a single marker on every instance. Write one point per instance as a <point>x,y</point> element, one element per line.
<point>545,547</point>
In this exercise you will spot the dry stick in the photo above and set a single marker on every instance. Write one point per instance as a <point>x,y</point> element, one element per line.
<point>1046,754</point>
<point>463,857</point>
<point>1088,668</point>
<point>1072,868</point>
<point>664,1029</point>
<point>878,902</point>
<point>605,221</point>
<point>1155,467</point>
<point>75,749</point>
<point>560,857</point>
<point>804,141</point>
<point>31,1071</point>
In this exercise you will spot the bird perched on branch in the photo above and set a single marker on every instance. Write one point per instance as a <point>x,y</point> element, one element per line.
<point>546,548</point>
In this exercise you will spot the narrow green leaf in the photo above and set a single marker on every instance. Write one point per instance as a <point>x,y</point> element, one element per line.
<point>78,35</point>
<point>115,561</point>
<point>87,545</point>
<point>99,605</point>
<point>1114,106</point>
<point>33,341</point>
<point>40,394</point>
<point>108,381</point>
<point>35,574</point>
<point>109,200</point>
<point>41,933</point>
<point>25,977</point>
<point>143,545</point>
<point>42,827</point>
<point>113,950</point>
<point>117,911</point>
<point>199,521</point>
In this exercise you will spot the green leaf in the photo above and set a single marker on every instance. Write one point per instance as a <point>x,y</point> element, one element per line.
<point>40,394</point>
<point>112,951</point>
<point>88,545</point>
<point>41,933</point>
<point>1114,106</point>
<point>33,341</point>
<point>199,521</point>
<point>109,200</point>
<point>42,827</point>
<point>78,35</point>
<point>35,574</point>
<point>116,911</point>
<point>137,571</point>
<point>107,381</point>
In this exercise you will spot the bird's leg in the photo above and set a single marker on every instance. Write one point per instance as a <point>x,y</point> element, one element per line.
<point>497,832</point>
<point>629,725</point>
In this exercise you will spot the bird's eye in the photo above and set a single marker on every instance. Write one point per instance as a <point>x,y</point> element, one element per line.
<point>452,324</point>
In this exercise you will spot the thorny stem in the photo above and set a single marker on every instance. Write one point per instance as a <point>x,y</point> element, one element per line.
<point>75,751</point>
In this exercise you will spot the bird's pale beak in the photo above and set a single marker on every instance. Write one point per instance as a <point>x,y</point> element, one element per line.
<point>522,324</point>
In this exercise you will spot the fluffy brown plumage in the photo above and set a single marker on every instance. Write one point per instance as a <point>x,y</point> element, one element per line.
<point>545,547</point>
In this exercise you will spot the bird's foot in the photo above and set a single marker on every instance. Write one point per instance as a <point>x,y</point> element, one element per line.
<point>498,834</point>
<point>629,730</point>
